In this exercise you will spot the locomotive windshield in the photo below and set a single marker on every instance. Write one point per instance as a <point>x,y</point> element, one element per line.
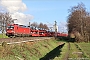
<point>10,27</point>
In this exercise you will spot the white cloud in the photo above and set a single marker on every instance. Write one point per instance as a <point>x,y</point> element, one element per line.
<point>22,18</point>
<point>13,5</point>
<point>15,8</point>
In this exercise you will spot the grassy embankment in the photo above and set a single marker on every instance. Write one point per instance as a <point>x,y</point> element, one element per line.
<point>63,53</point>
<point>85,48</point>
<point>41,49</point>
<point>74,52</point>
<point>30,51</point>
<point>79,51</point>
<point>70,52</point>
<point>3,36</point>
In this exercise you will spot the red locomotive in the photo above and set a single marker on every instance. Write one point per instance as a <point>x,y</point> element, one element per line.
<point>17,30</point>
<point>14,30</point>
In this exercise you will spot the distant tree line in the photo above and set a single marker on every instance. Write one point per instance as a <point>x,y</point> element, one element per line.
<point>79,23</point>
<point>40,25</point>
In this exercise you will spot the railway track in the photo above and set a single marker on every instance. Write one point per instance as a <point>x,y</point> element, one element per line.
<point>22,39</point>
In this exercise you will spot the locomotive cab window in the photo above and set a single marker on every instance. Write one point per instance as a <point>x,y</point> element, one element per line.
<point>10,27</point>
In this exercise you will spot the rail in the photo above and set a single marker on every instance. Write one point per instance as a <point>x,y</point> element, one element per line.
<point>10,41</point>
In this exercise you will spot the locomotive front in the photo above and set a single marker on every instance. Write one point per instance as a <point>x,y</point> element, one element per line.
<point>10,30</point>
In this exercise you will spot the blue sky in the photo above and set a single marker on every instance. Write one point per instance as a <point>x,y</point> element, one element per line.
<point>50,10</point>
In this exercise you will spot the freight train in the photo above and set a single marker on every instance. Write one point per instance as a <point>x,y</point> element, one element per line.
<point>15,30</point>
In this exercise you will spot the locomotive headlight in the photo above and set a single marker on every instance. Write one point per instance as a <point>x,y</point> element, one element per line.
<point>11,28</point>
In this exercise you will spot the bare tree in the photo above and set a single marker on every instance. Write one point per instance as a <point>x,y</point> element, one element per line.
<point>41,25</point>
<point>45,26</point>
<point>34,24</point>
<point>78,22</point>
<point>5,19</point>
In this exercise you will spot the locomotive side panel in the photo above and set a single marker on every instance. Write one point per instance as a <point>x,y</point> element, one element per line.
<point>23,31</point>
